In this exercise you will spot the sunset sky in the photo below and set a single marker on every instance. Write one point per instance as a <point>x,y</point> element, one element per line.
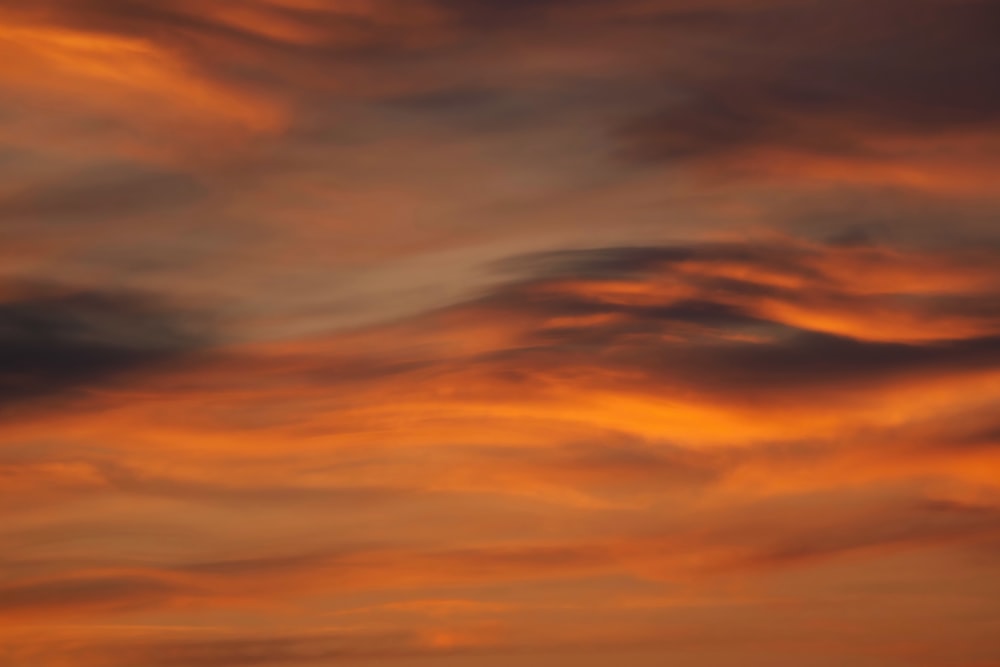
<point>491,333</point>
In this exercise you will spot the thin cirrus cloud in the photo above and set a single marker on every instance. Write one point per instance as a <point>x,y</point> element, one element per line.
<point>586,332</point>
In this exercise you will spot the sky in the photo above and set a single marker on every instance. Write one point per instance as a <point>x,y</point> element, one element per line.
<point>476,333</point>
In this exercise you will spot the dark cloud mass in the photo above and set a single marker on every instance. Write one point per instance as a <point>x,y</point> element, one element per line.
<point>715,318</point>
<point>54,340</point>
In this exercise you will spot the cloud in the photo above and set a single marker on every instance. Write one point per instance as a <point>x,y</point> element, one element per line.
<point>400,449</point>
<point>613,360</point>
<point>889,528</point>
<point>268,651</point>
<point>101,196</point>
<point>188,649</point>
<point>56,341</point>
<point>158,82</point>
<point>85,595</point>
<point>813,88</point>
<point>770,535</point>
<point>56,479</point>
<point>767,320</point>
<point>123,86</point>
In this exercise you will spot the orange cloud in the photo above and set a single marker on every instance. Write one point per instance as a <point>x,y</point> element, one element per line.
<point>135,83</point>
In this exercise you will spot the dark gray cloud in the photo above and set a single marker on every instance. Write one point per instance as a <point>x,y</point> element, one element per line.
<point>636,260</point>
<point>717,342</point>
<point>53,341</point>
<point>812,363</point>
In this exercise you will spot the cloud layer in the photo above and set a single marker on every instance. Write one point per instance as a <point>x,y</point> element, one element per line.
<point>469,332</point>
